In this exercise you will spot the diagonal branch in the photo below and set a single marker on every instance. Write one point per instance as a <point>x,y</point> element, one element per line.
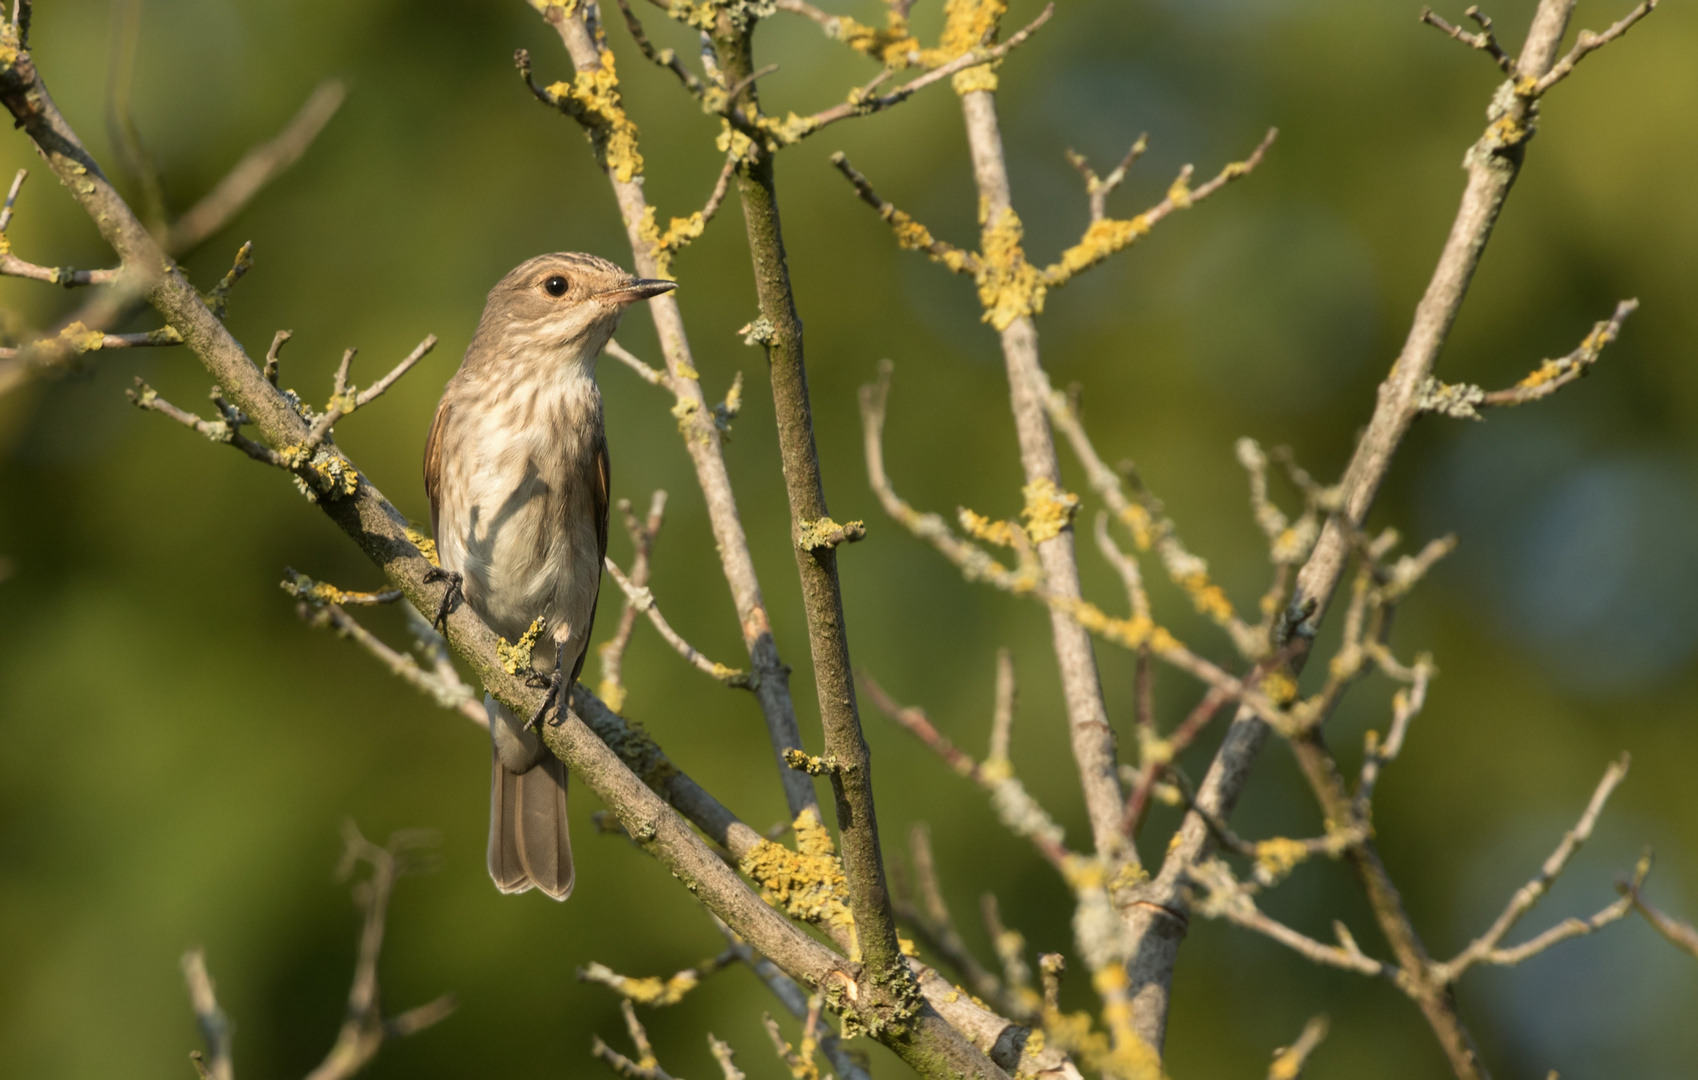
<point>639,598</point>
<point>1486,947</point>
<point>365,1030</point>
<point>769,674</point>
<point>1492,165</point>
<point>1485,40</point>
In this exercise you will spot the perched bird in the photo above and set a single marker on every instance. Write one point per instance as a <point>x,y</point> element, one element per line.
<point>517,473</point>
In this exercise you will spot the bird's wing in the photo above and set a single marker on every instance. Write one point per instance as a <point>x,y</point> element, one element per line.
<point>433,464</point>
<point>601,483</point>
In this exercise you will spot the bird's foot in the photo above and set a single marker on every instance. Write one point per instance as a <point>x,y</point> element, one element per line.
<point>451,596</point>
<point>556,688</point>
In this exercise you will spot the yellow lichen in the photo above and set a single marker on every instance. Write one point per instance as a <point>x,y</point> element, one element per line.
<point>516,657</point>
<point>1102,239</point>
<point>913,236</point>
<point>1049,510</point>
<point>611,691</point>
<point>1179,192</point>
<point>592,98</point>
<point>1009,287</point>
<point>1279,687</point>
<point>966,23</point>
<point>81,338</point>
<point>806,884</point>
<point>1278,857</point>
<point>655,991</point>
<point>977,77</point>
<point>1547,371</point>
<point>894,45</point>
<point>426,545</point>
<point>678,234</point>
<point>1001,533</point>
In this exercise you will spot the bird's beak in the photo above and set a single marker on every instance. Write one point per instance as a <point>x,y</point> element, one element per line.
<point>635,289</point>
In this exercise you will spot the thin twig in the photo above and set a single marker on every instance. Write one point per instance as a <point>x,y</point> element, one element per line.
<point>1485,40</point>
<point>933,920</point>
<point>1553,375</point>
<point>345,400</point>
<point>145,397</point>
<point>646,1067</point>
<point>364,1031</point>
<point>1681,934</point>
<point>612,652</point>
<point>214,1025</point>
<point>1288,1062</point>
<point>642,599</point>
<point>968,59</point>
<point>442,683</point>
<point>1015,807</point>
<point>1228,899</point>
<point>651,990</point>
<point>11,199</point>
<point>651,375</point>
<point>257,168</point>
<point>1587,43</point>
<point>1486,948</point>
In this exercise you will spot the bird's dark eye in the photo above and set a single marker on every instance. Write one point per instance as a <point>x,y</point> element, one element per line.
<point>555,286</point>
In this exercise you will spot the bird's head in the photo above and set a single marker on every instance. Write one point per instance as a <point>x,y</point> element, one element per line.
<point>566,303</point>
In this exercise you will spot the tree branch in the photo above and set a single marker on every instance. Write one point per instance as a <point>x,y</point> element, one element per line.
<point>869,894</point>
<point>769,675</point>
<point>1492,165</point>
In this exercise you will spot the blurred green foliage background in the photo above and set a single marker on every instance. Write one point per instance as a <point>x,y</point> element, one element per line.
<point>177,750</point>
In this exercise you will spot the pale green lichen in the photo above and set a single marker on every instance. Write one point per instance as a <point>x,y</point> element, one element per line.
<point>826,533</point>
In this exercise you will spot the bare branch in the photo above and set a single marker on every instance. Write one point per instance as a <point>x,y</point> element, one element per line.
<point>1406,705</point>
<point>642,599</point>
<point>1031,579</point>
<point>1485,40</point>
<point>651,375</point>
<point>665,58</point>
<point>1228,899</point>
<point>1014,806</point>
<point>322,605</point>
<point>257,168</point>
<point>345,400</point>
<point>1098,188</point>
<point>1587,43</point>
<point>214,1025</point>
<point>1492,165</point>
<point>910,234</point>
<point>1486,948</point>
<point>364,1031</point>
<point>933,921</point>
<point>722,1052</point>
<point>1106,236</point>
<point>643,535</point>
<point>646,1067</point>
<point>11,199</point>
<point>862,106</point>
<point>1680,934</point>
<point>219,431</point>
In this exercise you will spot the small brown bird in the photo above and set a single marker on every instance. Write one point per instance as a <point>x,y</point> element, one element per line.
<point>517,473</point>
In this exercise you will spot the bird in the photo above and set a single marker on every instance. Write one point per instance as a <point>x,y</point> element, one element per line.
<point>517,474</point>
